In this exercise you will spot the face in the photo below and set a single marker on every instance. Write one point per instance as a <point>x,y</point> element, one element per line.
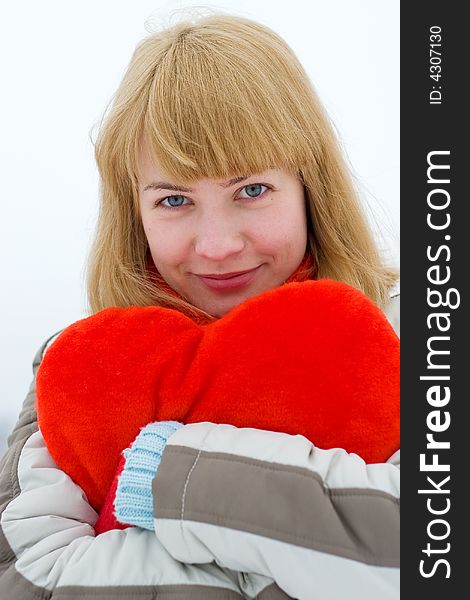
<point>219,242</point>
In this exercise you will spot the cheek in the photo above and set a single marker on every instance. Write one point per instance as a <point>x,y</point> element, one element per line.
<point>166,246</point>
<point>284,231</point>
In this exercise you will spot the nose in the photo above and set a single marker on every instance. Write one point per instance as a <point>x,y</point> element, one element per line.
<point>218,237</point>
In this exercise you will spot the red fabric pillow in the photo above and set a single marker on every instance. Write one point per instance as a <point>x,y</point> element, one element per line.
<point>316,358</point>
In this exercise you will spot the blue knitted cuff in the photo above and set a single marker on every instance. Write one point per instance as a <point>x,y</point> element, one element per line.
<point>134,501</point>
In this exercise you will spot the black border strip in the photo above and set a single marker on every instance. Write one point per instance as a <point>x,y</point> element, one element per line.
<point>425,128</point>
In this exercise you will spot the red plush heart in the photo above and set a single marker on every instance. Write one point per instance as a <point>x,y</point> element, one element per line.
<point>316,358</point>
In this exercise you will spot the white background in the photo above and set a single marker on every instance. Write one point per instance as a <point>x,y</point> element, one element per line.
<point>61,63</point>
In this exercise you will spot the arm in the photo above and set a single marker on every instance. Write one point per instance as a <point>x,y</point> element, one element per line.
<point>320,523</point>
<point>48,545</point>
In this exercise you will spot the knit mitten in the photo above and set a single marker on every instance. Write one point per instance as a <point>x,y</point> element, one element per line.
<point>134,500</point>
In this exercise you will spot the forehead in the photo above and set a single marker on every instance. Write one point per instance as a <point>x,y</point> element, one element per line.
<point>149,167</point>
<point>162,158</point>
<point>152,176</point>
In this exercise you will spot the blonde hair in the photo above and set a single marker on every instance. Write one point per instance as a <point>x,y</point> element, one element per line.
<point>220,97</point>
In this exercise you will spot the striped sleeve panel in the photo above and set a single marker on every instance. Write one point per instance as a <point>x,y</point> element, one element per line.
<point>320,523</point>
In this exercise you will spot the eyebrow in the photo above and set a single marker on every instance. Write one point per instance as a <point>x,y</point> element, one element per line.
<point>163,185</point>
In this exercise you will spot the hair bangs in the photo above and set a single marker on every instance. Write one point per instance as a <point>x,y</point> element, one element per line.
<point>210,116</point>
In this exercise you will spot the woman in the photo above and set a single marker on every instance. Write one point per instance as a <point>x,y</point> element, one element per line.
<point>221,179</point>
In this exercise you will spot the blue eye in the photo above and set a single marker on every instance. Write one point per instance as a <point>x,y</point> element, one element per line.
<point>172,201</point>
<point>254,190</point>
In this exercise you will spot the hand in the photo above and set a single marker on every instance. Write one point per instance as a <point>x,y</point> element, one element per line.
<point>129,500</point>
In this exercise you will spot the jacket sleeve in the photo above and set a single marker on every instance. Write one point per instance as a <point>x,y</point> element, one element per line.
<point>48,547</point>
<point>320,523</point>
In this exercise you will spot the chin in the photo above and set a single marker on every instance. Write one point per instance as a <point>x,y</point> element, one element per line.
<point>219,309</point>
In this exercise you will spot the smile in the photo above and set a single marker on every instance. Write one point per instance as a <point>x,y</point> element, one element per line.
<point>228,281</point>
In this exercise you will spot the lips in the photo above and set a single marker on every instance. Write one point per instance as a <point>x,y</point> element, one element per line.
<point>228,281</point>
<point>226,275</point>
